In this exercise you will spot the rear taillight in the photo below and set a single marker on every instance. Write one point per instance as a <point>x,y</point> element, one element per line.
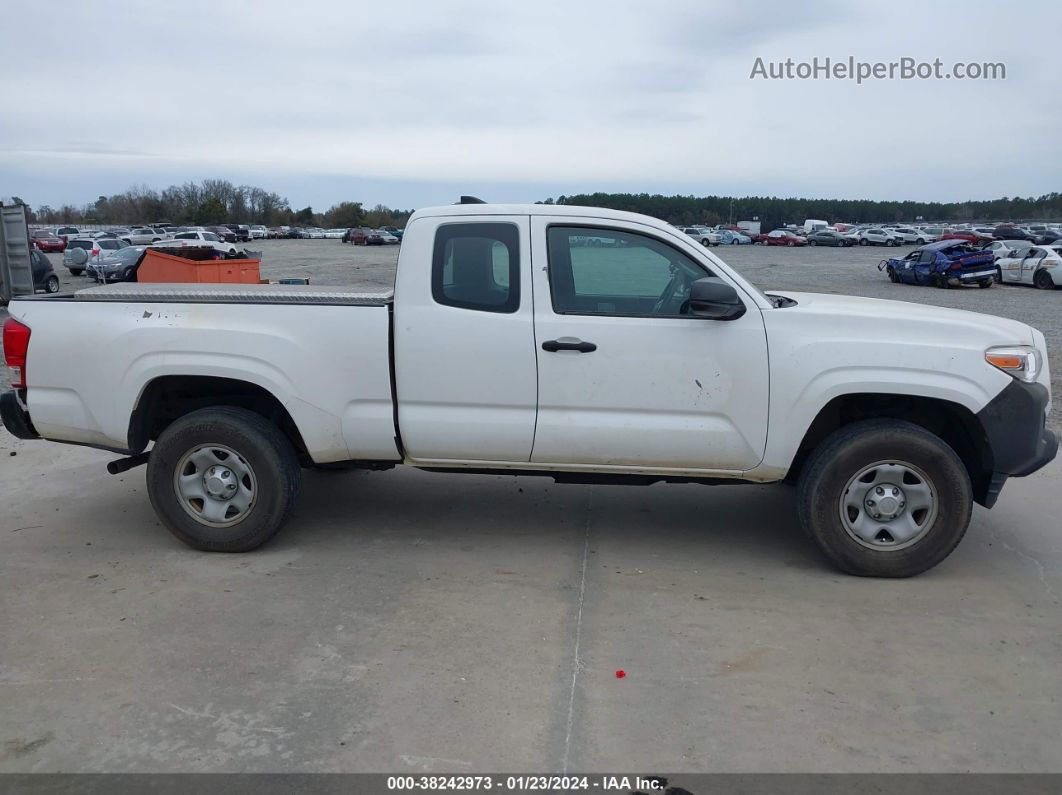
<point>16,343</point>
<point>95,252</point>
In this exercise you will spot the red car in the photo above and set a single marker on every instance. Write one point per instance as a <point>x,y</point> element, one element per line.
<point>968,235</point>
<point>363,237</point>
<point>780,237</point>
<point>47,240</point>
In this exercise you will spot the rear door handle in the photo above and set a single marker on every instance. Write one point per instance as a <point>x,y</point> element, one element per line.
<point>568,344</point>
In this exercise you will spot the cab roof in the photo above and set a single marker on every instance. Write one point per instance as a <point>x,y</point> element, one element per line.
<point>540,209</point>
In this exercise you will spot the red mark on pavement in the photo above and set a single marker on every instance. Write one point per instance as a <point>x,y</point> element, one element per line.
<point>620,673</point>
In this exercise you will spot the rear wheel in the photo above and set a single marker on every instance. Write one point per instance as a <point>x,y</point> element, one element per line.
<point>76,271</point>
<point>885,498</point>
<point>812,243</point>
<point>223,479</point>
<point>863,241</point>
<point>52,284</point>
<point>999,275</point>
<point>984,283</point>
<point>1043,280</point>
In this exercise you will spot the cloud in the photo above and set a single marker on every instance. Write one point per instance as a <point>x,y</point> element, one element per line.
<point>549,96</point>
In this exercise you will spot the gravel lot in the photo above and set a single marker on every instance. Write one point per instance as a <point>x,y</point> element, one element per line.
<point>849,271</point>
<point>424,623</point>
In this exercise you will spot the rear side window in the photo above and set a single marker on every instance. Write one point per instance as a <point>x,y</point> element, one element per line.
<point>108,244</point>
<point>85,244</point>
<point>477,266</point>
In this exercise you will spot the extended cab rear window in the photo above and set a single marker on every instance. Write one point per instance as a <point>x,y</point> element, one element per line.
<point>477,266</point>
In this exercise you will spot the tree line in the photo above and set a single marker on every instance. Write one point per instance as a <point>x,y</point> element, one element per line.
<point>218,201</point>
<point>773,211</point>
<point>211,202</point>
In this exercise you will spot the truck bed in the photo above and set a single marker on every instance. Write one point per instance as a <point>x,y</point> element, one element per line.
<point>322,352</point>
<point>234,294</point>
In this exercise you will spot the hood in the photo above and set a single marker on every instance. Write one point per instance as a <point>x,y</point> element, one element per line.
<point>903,315</point>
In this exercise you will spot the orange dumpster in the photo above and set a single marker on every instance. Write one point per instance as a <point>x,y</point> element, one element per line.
<point>157,267</point>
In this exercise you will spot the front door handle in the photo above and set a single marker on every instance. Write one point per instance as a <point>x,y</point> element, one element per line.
<point>568,344</point>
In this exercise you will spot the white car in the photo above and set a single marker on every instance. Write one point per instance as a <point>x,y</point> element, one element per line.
<point>934,233</point>
<point>481,358</point>
<point>335,234</point>
<point>1040,266</point>
<point>258,232</point>
<point>703,235</point>
<point>877,236</point>
<point>197,238</point>
<point>908,234</point>
<point>83,251</point>
<point>1004,248</point>
<point>143,235</point>
<point>387,237</point>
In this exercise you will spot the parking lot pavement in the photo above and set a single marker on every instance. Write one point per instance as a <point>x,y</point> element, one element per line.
<point>407,621</point>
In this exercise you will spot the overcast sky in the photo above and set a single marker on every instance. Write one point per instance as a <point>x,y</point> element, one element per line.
<point>413,103</point>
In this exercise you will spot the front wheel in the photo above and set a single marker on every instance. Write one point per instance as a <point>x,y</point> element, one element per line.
<point>863,241</point>
<point>885,498</point>
<point>52,285</point>
<point>812,243</point>
<point>223,479</point>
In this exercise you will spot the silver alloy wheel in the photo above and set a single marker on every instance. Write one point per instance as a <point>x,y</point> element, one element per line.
<point>215,485</point>
<point>888,505</point>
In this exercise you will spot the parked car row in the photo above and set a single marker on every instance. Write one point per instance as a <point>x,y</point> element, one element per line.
<point>719,236</point>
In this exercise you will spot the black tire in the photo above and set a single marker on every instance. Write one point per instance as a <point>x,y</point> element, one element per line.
<point>265,449</point>
<point>1042,280</point>
<point>941,281</point>
<point>812,243</point>
<point>985,283</point>
<point>841,457</point>
<point>76,271</point>
<point>894,277</point>
<point>863,241</point>
<point>999,275</point>
<point>51,284</point>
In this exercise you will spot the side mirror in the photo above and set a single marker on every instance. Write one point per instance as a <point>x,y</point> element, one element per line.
<point>714,299</point>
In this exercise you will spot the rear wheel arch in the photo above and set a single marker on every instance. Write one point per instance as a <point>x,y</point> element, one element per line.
<point>955,424</point>
<point>166,399</point>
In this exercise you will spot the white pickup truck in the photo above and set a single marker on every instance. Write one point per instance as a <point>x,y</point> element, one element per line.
<point>590,345</point>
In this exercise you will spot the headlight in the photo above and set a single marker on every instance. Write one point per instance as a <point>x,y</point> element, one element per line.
<point>1021,361</point>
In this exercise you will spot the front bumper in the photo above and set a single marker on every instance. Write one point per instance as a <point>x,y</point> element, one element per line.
<point>15,417</point>
<point>1014,422</point>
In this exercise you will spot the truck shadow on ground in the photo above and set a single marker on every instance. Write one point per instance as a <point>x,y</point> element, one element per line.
<point>724,525</point>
